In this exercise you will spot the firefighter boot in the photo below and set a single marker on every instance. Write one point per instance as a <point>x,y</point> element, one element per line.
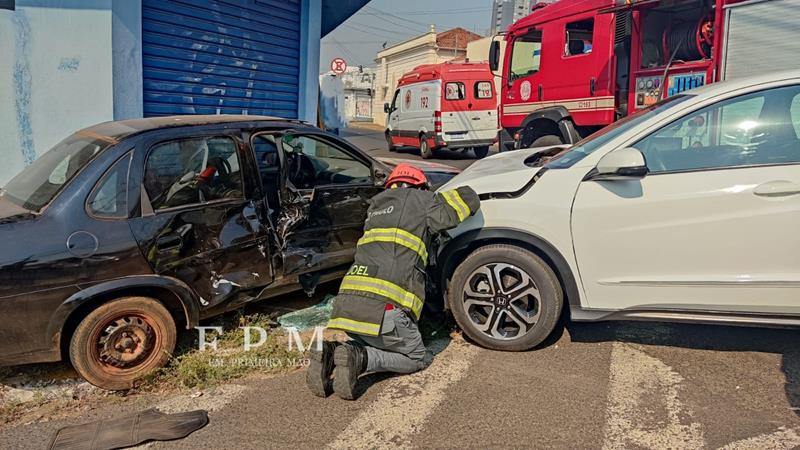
<point>320,369</point>
<point>351,361</point>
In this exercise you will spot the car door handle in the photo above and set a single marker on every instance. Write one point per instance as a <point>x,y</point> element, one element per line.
<point>169,242</point>
<point>781,188</point>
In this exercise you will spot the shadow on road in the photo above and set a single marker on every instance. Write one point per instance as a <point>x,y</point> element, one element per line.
<point>705,337</point>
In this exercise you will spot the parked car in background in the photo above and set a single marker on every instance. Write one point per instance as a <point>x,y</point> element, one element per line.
<point>686,211</point>
<point>447,105</point>
<point>126,230</point>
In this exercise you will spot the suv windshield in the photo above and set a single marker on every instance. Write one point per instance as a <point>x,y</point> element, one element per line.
<point>38,184</point>
<point>594,141</point>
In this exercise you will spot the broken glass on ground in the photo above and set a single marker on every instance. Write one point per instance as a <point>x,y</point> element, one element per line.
<point>308,318</point>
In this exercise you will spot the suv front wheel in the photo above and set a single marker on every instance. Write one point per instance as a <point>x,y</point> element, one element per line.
<point>505,298</point>
<point>121,341</point>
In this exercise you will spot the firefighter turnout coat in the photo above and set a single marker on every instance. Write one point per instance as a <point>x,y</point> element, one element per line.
<point>392,255</point>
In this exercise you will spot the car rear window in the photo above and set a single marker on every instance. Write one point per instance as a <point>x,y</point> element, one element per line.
<point>483,89</point>
<point>38,184</point>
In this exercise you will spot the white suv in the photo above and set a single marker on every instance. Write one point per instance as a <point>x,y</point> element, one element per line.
<point>686,211</point>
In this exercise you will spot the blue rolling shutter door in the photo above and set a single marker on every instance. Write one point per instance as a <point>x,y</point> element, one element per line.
<point>221,57</point>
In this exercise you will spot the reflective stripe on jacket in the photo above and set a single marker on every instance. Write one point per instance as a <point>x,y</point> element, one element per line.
<point>391,256</point>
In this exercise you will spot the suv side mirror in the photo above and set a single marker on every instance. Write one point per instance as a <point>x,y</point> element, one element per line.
<point>386,108</point>
<point>494,56</point>
<point>623,164</point>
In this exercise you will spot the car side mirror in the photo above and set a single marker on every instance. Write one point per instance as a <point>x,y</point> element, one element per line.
<point>494,56</point>
<point>386,108</point>
<point>623,164</point>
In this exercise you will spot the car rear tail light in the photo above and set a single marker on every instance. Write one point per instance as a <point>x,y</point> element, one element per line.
<point>437,122</point>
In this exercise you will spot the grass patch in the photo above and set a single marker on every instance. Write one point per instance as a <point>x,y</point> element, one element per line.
<point>192,368</point>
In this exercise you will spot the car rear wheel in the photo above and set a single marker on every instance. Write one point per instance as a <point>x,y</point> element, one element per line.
<point>424,149</point>
<point>505,298</point>
<point>121,341</point>
<point>481,152</point>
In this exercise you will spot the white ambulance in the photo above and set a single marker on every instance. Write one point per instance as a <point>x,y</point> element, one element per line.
<point>448,105</point>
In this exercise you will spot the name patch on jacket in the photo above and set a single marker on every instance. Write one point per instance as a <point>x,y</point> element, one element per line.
<point>359,270</point>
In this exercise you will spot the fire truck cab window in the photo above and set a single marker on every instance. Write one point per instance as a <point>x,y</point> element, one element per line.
<point>579,38</point>
<point>526,55</point>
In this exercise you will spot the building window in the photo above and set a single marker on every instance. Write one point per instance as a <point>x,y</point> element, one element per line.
<point>579,38</point>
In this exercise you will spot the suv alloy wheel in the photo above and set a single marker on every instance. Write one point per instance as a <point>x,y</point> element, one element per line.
<point>505,298</point>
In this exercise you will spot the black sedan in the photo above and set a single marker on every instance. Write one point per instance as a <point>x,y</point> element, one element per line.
<point>127,230</point>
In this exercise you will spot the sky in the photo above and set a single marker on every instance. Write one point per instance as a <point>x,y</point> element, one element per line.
<point>361,36</point>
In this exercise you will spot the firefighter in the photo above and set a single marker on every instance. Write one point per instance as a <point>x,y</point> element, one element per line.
<point>381,297</point>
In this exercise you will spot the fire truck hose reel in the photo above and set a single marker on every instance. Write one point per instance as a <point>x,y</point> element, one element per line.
<point>689,41</point>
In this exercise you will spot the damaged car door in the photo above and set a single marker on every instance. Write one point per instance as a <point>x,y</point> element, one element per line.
<point>199,223</point>
<point>335,181</point>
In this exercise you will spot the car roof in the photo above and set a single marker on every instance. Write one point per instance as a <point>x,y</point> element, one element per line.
<point>120,129</point>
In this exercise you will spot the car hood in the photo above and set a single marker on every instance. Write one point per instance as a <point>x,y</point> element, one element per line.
<point>504,172</point>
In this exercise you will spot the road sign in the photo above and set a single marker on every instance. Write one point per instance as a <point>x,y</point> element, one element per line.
<point>338,66</point>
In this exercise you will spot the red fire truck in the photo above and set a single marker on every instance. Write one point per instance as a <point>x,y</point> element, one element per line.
<point>574,66</point>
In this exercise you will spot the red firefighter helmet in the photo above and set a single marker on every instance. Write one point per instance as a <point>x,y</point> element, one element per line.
<point>406,173</point>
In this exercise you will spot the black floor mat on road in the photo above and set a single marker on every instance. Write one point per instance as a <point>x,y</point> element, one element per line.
<point>149,425</point>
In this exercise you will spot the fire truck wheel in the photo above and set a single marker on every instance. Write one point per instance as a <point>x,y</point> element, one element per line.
<point>544,141</point>
<point>425,150</point>
<point>481,152</point>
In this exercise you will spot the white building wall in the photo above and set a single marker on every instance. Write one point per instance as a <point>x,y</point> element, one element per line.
<point>394,62</point>
<point>55,75</point>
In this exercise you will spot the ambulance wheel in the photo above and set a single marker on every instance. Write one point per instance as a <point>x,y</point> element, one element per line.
<point>481,152</point>
<point>505,298</point>
<point>389,143</point>
<point>425,150</point>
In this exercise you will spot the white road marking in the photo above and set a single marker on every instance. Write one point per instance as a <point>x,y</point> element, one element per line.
<point>644,409</point>
<point>407,401</point>
<point>779,440</point>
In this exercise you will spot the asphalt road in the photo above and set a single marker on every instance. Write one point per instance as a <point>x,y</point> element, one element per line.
<point>593,386</point>
<point>371,139</point>
<point>609,385</point>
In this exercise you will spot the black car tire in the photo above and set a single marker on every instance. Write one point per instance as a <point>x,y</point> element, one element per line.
<point>481,152</point>
<point>547,140</point>
<point>389,144</point>
<point>424,149</point>
<point>549,305</point>
<point>142,331</point>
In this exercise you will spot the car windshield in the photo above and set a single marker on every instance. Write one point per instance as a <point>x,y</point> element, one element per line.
<point>38,184</point>
<point>593,142</point>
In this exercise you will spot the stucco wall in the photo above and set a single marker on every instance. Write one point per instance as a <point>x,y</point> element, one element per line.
<point>55,75</point>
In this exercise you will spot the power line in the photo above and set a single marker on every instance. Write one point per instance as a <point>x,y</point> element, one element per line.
<point>358,26</point>
<point>379,13</point>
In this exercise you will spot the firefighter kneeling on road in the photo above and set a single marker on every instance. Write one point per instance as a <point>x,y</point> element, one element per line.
<point>380,299</point>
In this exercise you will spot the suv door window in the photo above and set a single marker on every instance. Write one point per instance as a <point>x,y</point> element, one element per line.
<point>313,162</point>
<point>190,171</point>
<point>754,129</point>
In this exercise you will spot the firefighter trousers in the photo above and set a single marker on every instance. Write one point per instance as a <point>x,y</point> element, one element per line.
<point>399,347</point>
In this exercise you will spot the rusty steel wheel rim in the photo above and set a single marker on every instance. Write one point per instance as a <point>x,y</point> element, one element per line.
<point>125,343</point>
